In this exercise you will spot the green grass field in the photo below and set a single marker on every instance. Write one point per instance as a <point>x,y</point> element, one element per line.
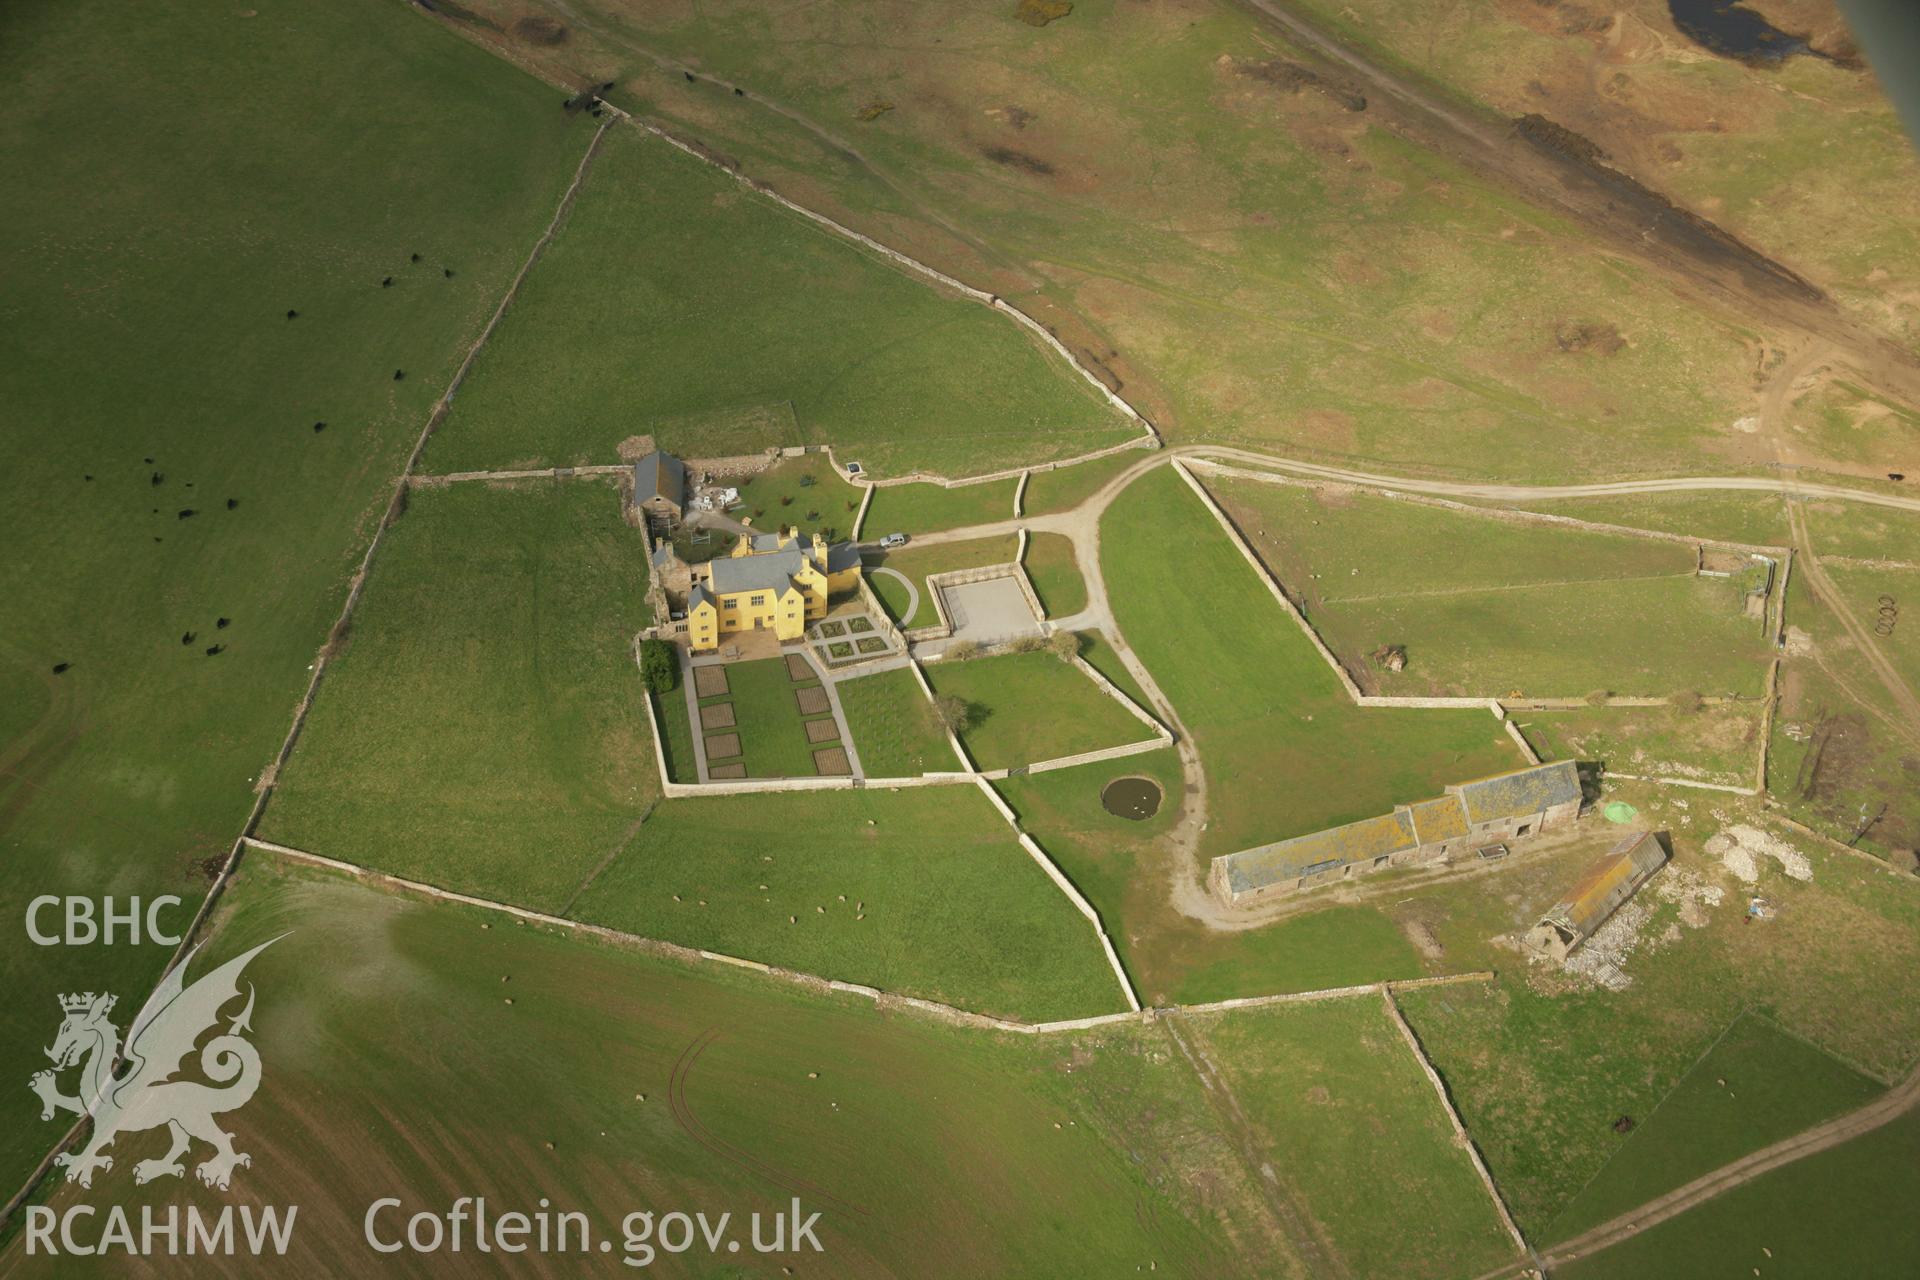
<point>1029,707</point>
<point>1490,607</point>
<point>916,563</point>
<point>893,726</point>
<point>1285,749</point>
<point>1844,1211</point>
<point>1120,865</point>
<point>1055,574</point>
<point>670,709</point>
<point>1099,654</point>
<point>767,718</point>
<point>482,729</point>
<point>1756,519</point>
<point>181,176</point>
<point>727,300</point>
<point>1756,1086</point>
<point>617,1081</point>
<point>954,909</point>
<point>928,508</point>
<point>1064,488</point>
<point>1404,1199</point>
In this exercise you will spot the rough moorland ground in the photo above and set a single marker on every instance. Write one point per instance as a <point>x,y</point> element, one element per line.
<point>922,891</point>
<point>1717,743</point>
<point>171,197</point>
<point>727,300</point>
<point>1028,707</point>
<point>1310,1078</point>
<point>614,1081</point>
<point>1490,607</point>
<point>1255,261</point>
<point>481,728</point>
<point>1285,749</point>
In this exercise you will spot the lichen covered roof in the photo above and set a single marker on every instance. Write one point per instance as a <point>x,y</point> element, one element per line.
<point>1608,882</point>
<point>1514,795</point>
<point>1290,859</point>
<point>1441,819</point>
<point>660,475</point>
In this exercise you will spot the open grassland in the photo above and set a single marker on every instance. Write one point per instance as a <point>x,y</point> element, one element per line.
<point>725,299</point>
<point>1756,1086</point>
<point>1842,760</point>
<point>1866,433</point>
<point>1717,743</point>
<point>893,726</point>
<point>1403,1201</point>
<point>1055,574</point>
<point>170,198</point>
<point>1098,653</point>
<point>920,891</point>
<point>927,508</point>
<point>1285,749</point>
<point>916,563</point>
<point>1541,1064</point>
<point>670,709</point>
<point>617,1081</point>
<point>482,728</point>
<point>807,493</point>
<point>1121,865</point>
<point>1253,259</point>
<point>1028,707</point>
<point>1849,529</point>
<point>1064,488</point>
<point>1489,607</point>
<point>1792,158</point>
<point>1756,519</point>
<point>1846,1211</point>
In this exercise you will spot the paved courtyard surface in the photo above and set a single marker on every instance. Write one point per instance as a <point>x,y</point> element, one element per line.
<point>990,612</point>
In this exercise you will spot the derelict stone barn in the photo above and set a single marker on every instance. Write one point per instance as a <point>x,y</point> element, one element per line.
<point>1597,894</point>
<point>660,490</point>
<point>1470,814</point>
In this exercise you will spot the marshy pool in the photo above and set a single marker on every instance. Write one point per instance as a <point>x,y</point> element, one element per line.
<point>1135,799</point>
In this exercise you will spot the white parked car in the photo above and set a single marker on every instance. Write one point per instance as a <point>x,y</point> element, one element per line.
<point>893,540</point>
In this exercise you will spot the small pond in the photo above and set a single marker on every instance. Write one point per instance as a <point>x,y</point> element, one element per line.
<point>1730,28</point>
<point>1136,799</point>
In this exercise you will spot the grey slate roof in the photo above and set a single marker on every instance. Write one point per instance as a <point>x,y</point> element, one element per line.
<point>842,555</point>
<point>699,595</point>
<point>1515,795</point>
<point>660,475</point>
<point>770,572</point>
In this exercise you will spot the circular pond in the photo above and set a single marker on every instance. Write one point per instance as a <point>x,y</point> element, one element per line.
<point>1133,798</point>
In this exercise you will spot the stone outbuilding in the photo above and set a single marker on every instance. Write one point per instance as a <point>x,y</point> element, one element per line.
<point>1506,806</point>
<point>1596,895</point>
<point>660,489</point>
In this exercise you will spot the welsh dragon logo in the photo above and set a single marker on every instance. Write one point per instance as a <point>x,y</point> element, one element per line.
<point>145,1095</point>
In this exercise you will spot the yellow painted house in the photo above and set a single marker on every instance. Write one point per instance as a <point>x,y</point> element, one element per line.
<point>770,582</point>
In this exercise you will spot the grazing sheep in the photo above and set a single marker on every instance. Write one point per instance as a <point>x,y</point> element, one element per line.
<point>158,477</point>
<point>415,258</point>
<point>688,75</point>
<point>221,623</point>
<point>215,649</point>
<point>318,427</point>
<point>187,638</point>
<point>232,503</point>
<point>398,374</point>
<point>187,513</point>
<point>739,92</point>
<point>60,668</point>
<point>86,477</point>
<point>292,314</point>
<point>387,283</point>
<point>447,272</point>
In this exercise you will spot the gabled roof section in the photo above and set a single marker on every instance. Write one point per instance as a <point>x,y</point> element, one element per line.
<point>1517,794</point>
<point>770,572</point>
<point>1607,883</point>
<point>1441,819</point>
<point>1336,846</point>
<point>698,596</point>
<point>842,556</point>
<point>660,475</point>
